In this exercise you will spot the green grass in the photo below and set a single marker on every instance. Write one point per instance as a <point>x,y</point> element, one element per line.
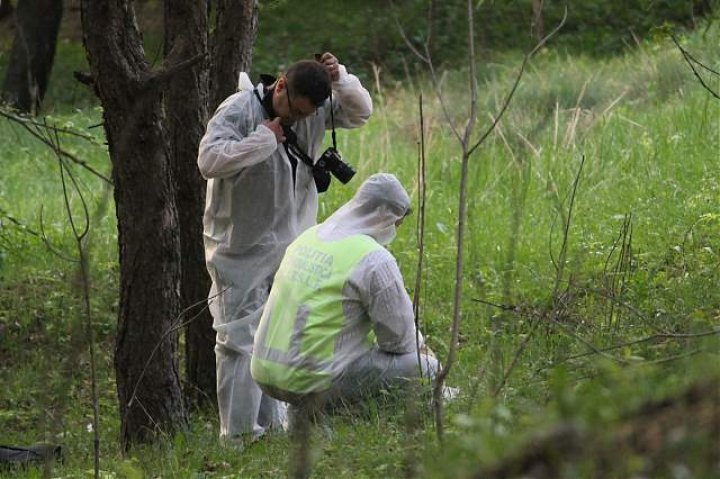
<point>650,136</point>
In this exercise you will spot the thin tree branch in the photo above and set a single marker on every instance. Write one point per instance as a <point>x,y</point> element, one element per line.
<point>49,245</point>
<point>467,152</point>
<point>427,59</point>
<point>688,56</point>
<point>79,236</point>
<point>460,235</point>
<point>412,417</point>
<point>441,98</point>
<point>691,61</point>
<point>66,131</point>
<point>420,230</point>
<point>519,76</point>
<point>584,341</point>
<point>470,126</point>
<point>84,78</point>
<point>566,232</point>
<point>21,226</point>
<point>159,77</point>
<point>669,359</point>
<point>504,307</point>
<point>555,312</point>
<point>35,129</point>
<point>413,49</point>
<point>167,333</point>
<point>647,339</point>
<point>516,357</point>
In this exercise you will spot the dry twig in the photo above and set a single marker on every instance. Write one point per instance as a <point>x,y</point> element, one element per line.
<point>692,61</point>
<point>80,234</point>
<point>43,131</point>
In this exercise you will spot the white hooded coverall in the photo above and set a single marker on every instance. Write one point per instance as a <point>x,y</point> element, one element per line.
<point>373,298</point>
<point>254,209</point>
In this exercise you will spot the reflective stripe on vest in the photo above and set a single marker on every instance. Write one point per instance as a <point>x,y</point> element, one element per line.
<point>303,317</point>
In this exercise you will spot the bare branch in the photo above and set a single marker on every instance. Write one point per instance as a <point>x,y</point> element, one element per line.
<point>44,124</point>
<point>49,245</point>
<point>403,35</point>
<point>427,59</point>
<point>516,357</point>
<point>691,61</point>
<point>420,230</point>
<point>177,326</point>
<point>569,332</point>
<point>4,214</point>
<point>669,359</point>
<point>557,308</point>
<point>460,239</point>
<point>84,78</point>
<point>519,76</point>
<point>647,339</point>
<point>470,126</point>
<point>161,76</point>
<point>41,132</point>
<point>566,232</point>
<point>79,236</point>
<point>441,97</point>
<point>504,307</point>
<point>462,207</point>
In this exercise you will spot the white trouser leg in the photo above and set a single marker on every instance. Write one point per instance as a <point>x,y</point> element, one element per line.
<point>377,369</point>
<point>238,396</point>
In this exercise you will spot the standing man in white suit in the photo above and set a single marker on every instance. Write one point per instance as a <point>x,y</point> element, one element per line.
<point>257,156</point>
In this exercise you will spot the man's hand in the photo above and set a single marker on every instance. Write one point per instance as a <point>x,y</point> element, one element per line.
<point>331,65</point>
<point>276,128</point>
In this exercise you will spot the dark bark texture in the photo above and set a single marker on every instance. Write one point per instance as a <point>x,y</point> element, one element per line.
<point>186,98</point>
<point>36,30</point>
<point>6,9</point>
<point>232,46</point>
<point>148,386</point>
<point>538,23</point>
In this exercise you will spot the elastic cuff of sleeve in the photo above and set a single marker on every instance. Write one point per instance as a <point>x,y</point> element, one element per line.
<point>343,75</point>
<point>263,134</point>
<point>264,131</point>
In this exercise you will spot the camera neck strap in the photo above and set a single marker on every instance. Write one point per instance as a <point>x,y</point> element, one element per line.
<point>332,121</point>
<point>292,148</point>
<point>291,142</point>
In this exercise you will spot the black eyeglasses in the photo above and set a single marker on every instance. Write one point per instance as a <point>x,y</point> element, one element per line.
<point>294,112</point>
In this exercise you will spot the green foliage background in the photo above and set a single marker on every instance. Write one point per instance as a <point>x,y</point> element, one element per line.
<point>366,36</point>
<point>367,33</point>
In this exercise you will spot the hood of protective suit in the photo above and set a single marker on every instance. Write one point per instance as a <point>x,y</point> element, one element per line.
<point>379,203</point>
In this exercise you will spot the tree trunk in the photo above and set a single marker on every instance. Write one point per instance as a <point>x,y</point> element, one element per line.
<point>186,99</point>
<point>33,50</point>
<point>232,46</point>
<point>147,379</point>
<point>538,24</point>
<point>6,9</point>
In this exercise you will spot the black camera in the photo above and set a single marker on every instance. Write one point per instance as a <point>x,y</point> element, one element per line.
<point>332,161</point>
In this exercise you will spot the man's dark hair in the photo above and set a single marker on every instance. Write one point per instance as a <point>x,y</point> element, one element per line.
<point>309,78</point>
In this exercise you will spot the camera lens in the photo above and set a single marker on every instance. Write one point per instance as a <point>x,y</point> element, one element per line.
<point>343,172</point>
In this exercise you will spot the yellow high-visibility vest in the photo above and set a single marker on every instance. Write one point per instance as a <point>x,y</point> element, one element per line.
<point>303,317</point>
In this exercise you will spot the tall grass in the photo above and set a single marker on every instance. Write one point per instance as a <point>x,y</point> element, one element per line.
<point>650,136</point>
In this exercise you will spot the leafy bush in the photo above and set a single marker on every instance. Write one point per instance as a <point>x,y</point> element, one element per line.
<point>366,33</point>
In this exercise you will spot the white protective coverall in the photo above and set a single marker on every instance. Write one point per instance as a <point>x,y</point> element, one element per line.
<point>374,298</point>
<point>254,209</point>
